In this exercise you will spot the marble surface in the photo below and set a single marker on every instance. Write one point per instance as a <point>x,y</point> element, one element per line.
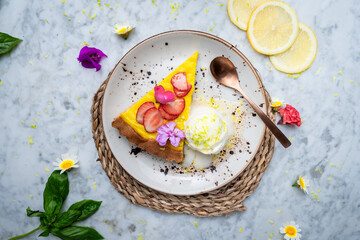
<point>43,84</point>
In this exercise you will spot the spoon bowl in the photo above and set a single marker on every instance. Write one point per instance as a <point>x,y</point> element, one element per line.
<point>224,71</point>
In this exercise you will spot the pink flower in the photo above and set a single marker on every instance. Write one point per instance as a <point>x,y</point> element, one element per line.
<point>163,96</point>
<point>290,115</point>
<point>169,132</point>
<point>90,57</point>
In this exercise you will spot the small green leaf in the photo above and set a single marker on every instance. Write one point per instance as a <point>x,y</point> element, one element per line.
<point>67,218</point>
<point>44,222</point>
<point>45,233</point>
<point>87,208</point>
<point>31,213</point>
<point>77,233</point>
<point>7,43</point>
<point>295,184</point>
<point>56,191</point>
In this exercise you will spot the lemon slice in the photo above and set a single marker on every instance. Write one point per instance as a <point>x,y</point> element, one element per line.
<point>300,55</point>
<point>272,28</point>
<point>240,10</point>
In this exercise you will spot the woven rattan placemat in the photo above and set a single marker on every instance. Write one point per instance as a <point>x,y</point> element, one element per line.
<point>222,201</point>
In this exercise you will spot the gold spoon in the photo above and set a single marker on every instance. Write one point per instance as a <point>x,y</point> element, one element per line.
<point>225,73</point>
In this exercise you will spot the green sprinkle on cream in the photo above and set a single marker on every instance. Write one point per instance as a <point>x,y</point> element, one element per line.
<point>271,221</point>
<point>153,2</point>
<point>341,72</point>
<point>279,211</point>
<point>79,99</point>
<point>33,125</point>
<point>46,169</point>
<point>31,196</point>
<point>94,185</point>
<point>241,229</point>
<point>196,224</point>
<point>329,179</point>
<point>46,21</point>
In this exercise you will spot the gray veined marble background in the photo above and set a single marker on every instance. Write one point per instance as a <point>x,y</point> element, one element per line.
<point>43,84</point>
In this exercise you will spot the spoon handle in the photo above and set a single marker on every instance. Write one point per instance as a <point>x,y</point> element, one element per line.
<point>273,128</point>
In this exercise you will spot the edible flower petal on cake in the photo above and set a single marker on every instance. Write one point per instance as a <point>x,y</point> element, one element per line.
<point>169,132</point>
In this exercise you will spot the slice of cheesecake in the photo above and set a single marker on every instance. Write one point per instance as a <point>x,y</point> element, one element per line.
<point>140,122</point>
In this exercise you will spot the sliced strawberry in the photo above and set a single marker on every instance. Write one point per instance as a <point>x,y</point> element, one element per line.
<point>175,107</point>
<point>179,81</point>
<point>141,111</point>
<point>165,115</point>
<point>181,94</point>
<point>152,120</point>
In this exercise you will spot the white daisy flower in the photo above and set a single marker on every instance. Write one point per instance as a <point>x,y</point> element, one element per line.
<point>66,162</point>
<point>291,231</point>
<point>277,104</point>
<point>303,183</point>
<point>123,29</point>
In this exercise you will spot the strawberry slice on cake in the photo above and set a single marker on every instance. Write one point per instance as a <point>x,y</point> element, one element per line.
<point>156,122</point>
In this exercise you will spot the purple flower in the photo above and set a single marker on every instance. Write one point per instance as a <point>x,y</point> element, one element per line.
<point>90,57</point>
<point>168,131</point>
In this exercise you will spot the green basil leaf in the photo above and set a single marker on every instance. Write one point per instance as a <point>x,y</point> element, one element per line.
<point>56,191</point>
<point>44,222</point>
<point>7,43</point>
<point>31,213</point>
<point>77,233</point>
<point>67,218</point>
<point>45,233</point>
<point>87,208</point>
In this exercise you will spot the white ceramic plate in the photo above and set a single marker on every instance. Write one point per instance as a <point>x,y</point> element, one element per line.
<point>147,64</point>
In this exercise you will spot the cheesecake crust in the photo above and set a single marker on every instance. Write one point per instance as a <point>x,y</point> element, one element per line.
<point>149,145</point>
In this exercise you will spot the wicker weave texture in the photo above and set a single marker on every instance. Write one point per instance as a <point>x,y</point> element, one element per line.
<point>222,201</point>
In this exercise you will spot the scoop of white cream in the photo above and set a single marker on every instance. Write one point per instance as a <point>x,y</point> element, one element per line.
<point>206,130</point>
